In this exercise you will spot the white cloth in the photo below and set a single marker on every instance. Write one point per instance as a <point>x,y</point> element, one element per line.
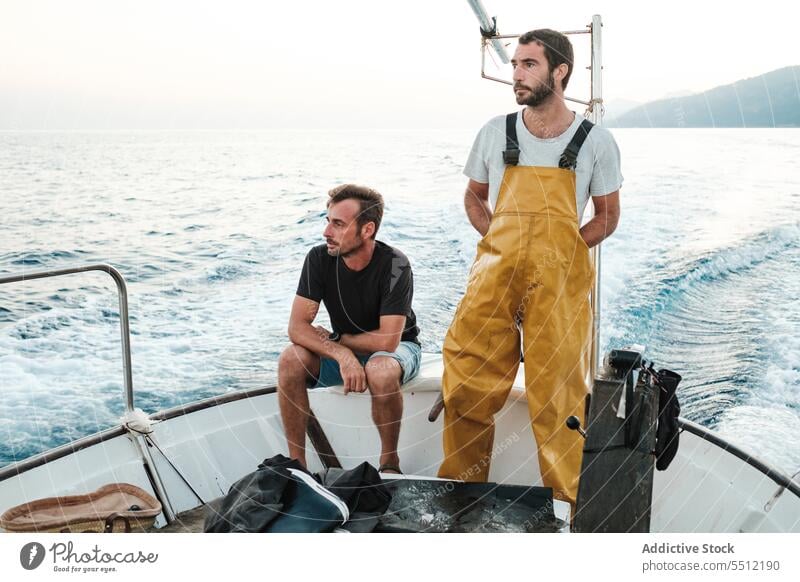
<point>598,169</point>
<point>137,420</point>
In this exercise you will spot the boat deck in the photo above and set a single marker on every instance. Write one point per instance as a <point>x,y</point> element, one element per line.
<point>189,521</point>
<point>436,506</point>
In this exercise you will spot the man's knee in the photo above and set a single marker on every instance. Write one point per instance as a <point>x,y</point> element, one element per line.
<point>297,362</point>
<point>383,374</point>
<point>472,401</point>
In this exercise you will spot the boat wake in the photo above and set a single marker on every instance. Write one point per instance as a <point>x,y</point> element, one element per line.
<point>740,357</point>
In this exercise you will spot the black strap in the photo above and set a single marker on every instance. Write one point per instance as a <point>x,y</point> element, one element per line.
<point>569,159</point>
<point>511,153</point>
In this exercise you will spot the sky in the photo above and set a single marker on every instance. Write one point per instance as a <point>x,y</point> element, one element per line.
<point>104,64</point>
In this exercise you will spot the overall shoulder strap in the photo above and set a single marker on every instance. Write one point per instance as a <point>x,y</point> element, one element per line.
<point>569,159</point>
<point>511,153</point>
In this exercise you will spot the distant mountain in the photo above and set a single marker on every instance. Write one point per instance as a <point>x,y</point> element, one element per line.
<point>769,100</point>
<point>616,108</point>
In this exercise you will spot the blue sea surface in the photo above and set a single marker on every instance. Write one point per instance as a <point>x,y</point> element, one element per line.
<point>210,230</point>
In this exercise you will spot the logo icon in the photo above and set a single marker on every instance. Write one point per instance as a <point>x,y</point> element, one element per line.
<point>399,266</point>
<point>31,556</point>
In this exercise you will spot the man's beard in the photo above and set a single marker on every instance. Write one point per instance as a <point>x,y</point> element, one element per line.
<point>337,250</point>
<point>538,95</point>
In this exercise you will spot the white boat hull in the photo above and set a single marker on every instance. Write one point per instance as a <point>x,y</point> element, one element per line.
<point>706,488</point>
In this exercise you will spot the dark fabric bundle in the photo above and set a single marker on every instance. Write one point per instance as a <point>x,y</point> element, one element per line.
<point>669,409</point>
<point>283,497</point>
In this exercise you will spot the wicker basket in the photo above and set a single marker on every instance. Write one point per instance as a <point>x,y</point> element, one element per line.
<point>118,507</point>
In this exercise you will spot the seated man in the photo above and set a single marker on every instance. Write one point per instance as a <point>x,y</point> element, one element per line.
<point>367,287</point>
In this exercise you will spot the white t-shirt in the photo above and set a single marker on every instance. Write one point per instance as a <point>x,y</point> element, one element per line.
<point>598,169</point>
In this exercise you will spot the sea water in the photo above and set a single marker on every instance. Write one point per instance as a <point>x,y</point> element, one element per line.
<point>210,230</point>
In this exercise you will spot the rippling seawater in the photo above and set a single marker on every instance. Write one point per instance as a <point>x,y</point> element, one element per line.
<point>210,229</point>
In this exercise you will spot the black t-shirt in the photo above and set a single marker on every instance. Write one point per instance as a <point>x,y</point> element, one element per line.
<point>355,300</point>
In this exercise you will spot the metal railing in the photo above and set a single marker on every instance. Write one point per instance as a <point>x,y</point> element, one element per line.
<point>138,440</point>
<point>125,332</point>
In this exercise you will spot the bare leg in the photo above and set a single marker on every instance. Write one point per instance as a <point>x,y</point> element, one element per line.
<point>295,366</point>
<point>383,378</point>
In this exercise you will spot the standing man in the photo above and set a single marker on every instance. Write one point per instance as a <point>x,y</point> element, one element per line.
<point>530,177</point>
<point>367,287</point>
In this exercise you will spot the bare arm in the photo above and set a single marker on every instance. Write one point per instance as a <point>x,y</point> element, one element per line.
<point>386,338</point>
<point>303,333</point>
<point>476,203</point>
<point>605,220</point>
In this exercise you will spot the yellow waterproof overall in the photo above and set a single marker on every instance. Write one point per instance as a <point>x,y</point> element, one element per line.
<point>532,268</point>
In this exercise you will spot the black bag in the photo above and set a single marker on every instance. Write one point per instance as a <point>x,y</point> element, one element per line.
<point>283,497</point>
<point>669,409</point>
<point>279,496</point>
<point>362,489</point>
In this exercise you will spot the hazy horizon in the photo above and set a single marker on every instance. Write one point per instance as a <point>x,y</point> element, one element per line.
<point>89,64</point>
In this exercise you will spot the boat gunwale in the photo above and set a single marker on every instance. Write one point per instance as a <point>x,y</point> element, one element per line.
<point>15,469</point>
<point>782,479</point>
<point>62,451</point>
<point>19,467</point>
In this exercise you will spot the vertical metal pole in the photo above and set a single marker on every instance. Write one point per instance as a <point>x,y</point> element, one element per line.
<point>125,335</point>
<point>597,119</point>
<point>140,442</point>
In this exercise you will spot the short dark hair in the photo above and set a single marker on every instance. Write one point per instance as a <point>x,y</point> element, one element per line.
<point>370,200</point>
<point>557,49</point>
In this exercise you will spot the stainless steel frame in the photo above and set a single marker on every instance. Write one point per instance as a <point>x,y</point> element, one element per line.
<point>596,114</point>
